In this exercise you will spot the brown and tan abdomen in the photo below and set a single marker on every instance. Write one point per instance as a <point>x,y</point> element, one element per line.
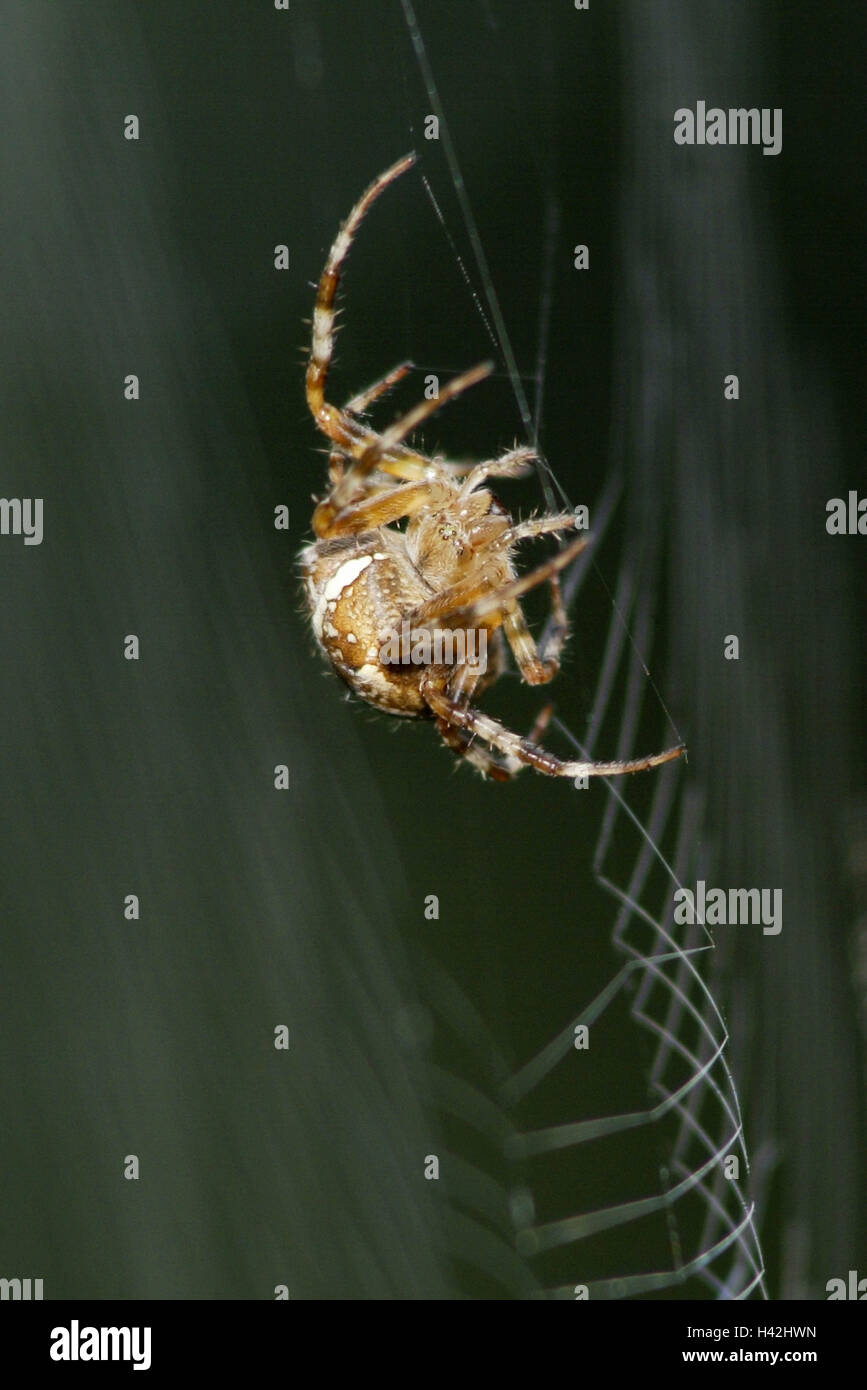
<point>357,595</point>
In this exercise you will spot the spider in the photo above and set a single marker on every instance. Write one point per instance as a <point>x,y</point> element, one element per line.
<point>366,580</point>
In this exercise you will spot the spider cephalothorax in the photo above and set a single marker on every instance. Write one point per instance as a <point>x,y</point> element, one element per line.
<point>414,620</point>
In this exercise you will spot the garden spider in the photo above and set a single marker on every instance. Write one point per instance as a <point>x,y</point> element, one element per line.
<point>366,581</point>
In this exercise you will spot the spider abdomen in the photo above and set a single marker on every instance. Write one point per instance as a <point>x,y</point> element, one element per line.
<point>359,591</point>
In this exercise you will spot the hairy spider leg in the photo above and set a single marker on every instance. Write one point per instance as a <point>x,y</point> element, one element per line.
<point>461,687</point>
<point>380,509</point>
<point>330,419</point>
<point>358,405</point>
<point>514,464</point>
<point>553,648</point>
<point>330,511</point>
<point>523,750</point>
<point>380,446</point>
<point>460,683</point>
<point>516,749</point>
<point>341,426</point>
<point>484,759</point>
<point>365,398</point>
<point>471,613</point>
<point>525,530</point>
<point>471,599</point>
<point>393,504</point>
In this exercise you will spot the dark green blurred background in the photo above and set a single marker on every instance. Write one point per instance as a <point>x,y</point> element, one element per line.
<point>306,908</point>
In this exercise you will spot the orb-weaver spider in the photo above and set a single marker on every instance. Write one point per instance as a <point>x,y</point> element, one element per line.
<point>366,580</point>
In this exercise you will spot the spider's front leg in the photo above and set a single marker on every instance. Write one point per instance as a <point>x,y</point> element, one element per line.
<point>357,406</point>
<point>360,403</point>
<point>514,464</point>
<point>379,452</point>
<point>381,509</point>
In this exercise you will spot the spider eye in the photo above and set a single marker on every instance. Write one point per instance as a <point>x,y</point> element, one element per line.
<point>451,533</point>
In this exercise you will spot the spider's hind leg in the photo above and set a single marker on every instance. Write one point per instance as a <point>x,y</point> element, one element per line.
<point>461,684</point>
<point>465,682</point>
<point>526,751</point>
<point>482,758</point>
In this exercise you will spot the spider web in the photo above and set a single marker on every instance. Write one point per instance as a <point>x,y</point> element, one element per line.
<point>692,1093</point>
<point>664,989</point>
<point>698,1208</point>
